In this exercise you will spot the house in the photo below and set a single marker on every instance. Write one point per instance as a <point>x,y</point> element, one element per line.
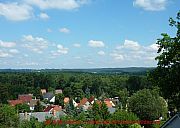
<point>66,100</point>
<point>26,98</point>
<point>74,103</point>
<point>33,103</point>
<point>110,105</point>
<point>58,91</point>
<point>43,91</point>
<point>84,103</point>
<point>15,102</point>
<point>109,102</point>
<point>40,116</point>
<point>53,108</point>
<point>173,122</point>
<point>49,96</point>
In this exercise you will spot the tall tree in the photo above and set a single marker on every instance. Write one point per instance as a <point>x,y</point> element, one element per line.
<point>167,74</point>
<point>147,105</point>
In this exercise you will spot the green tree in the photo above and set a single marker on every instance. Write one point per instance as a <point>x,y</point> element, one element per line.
<point>22,108</point>
<point>8,117</point>
<point>147,105</point>
<point>38,107</point>
<point>3,93</point>
<point>122,115</point>
<point>59,99</point>
<point>67,92</point>
<point>167,74</point>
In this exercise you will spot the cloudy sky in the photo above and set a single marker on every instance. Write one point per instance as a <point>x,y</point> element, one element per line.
<point>82,33</point>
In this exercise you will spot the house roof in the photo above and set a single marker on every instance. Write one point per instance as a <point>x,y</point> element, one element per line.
<point>57,108</point>
<point>41,116</point>
<point>43,91</point>
<point>48,109</point>
<point>58,91</point>
<point>15,102</point>
<point>25,97</point>
<point>108,104</point>
<point>48,95</point>
<point>66,100</point>
<point>173,122</point>
<point>33,102</point>
<point>83,101</point>
<point>91,99</point>
<point>107,99</point>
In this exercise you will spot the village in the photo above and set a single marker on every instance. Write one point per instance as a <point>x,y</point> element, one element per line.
<point>51,109</point>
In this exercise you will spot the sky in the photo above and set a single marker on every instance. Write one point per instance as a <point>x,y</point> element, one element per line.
<point>56,34</point>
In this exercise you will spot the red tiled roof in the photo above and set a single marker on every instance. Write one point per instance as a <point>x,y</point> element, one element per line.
<point>15,102</point>
<point>107,99</point>
<point>53,108</point>
<point>57,108</point>
<point>48,109</point>
<point>25,98</point>
<point>83,101</point>
<point>108,104</point>
<point>91,99</point>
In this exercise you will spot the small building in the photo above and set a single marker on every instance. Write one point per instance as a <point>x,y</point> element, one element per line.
<point>58,91</point>
<point>53,108</point>
<point>40,116</point>
<point>84,103</point>
<point>43,91</point>
<point>26,98</point>
<point>49,96</point>
<point>66,100</point>
<point>33,103</point>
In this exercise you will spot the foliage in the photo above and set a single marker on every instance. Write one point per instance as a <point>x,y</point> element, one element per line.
<point>59,99</point>
<point>22,108</point>
<point>3,93</point>
<point>38,107</point>
<point>122,115</point>
<point>167,74</point>
<point>33,123</point>
<point>8,116</point>
<point>147,105</point>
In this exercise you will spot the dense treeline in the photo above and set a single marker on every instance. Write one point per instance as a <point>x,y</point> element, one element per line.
<point>72,84</point>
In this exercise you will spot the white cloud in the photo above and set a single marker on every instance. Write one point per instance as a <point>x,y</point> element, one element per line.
<point>77,45</point>
<point>64,30</point>
<point>101,53</point>
<point>133,52</point>
<point>96,44</point>
<point>16,11</point>
<point>44,16</point>
<point>7,44</point>
<point>60,50</point>
<point>35,44</point>
<point>13,51</point>
<point>117,56</point>
<point>153,47</point>
<point>57,4</point>
<point>151,5</point>
<point>4,54</point>
<point>129,44</point>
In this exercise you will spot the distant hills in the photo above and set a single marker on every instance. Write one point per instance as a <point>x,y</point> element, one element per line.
<point>128,70</point>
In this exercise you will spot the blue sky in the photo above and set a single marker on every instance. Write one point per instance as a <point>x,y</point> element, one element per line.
<point>82,33</point>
